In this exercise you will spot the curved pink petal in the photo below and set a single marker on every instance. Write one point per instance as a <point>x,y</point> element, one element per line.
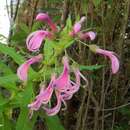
<point>22,71</point>
<point>43,97</point>
<point>45,18</point>
<point>42,17</point>
<point>88,36</point>
<point>66,96</point>
<point>30,36</point>
<point>34,40</point>
<point>53,111</point>
<point>112,57</point>
<point>35,105</point>
<point>35,59</point>
<point>76,86</point>
<point>115,64</point>
<point>73,87</point>
<point>77,26</point>
<point>62,81</point>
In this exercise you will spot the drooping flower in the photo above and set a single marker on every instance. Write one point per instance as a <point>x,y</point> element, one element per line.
<point>45,18</point>
<point>53,111</point>
<point>87,36</point>
<point>113,58</point>
<point>62,81</point>
<point>35,39</point>
<point>22,71</point>
<point>65,94</point>
<point>44,96</point>
<point>77,26</point>
<point>74,86</point>
<point>59,85</point>
<point>111,55</point>
<point>63,87</point>
<point>76,31</point>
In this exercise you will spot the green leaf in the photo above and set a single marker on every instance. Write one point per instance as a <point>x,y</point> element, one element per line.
<point>65,39</point>
<point>96,2</point>
<point>12,53</point>
<point>3,101</point>
<point>16,57</point>
<point>53,123</point>
<point>69,22</point>
<point>20,36</point>
<point>70,42</point>
<point>23,122</point>
<point>5,69</point>
<point>48,50</point>
<point>92,67</point>
<point>8,82</point>
<point>1,120</point>
<point>26,95</point>
<point>6,123</point>
<point>36,26</point>
<point>67,28</point>
<point>24,28</point>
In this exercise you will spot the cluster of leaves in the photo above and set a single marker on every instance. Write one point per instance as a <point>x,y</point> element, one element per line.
<point>18,97</point>
<point>15,96</point>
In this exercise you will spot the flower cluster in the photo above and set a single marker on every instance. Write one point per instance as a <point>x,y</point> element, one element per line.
<point>33,42</point>
<point>62,85</point>
<point>111,55</point>
<point>76,31</point>
<point>22,71</point>
<point>36,38</point>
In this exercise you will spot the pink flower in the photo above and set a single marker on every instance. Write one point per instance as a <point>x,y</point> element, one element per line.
<point>64,89</point>
<point>35,39</point>
<point>66,93</point>
<point>59,85</point>
<point>22,71</point>
<point>77,26</point>
<point>45,18</point>
<point>113,58</point>
<point>109,54</point>
<point>53,111</point>
<point>62,81</point>
<point>83,36</point>
<point>74,86</point>
<point>43,97</point>
<point>88,36</point>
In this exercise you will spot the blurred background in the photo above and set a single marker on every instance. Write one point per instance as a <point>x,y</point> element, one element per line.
<point>4,18</point>
<point>105,103</point>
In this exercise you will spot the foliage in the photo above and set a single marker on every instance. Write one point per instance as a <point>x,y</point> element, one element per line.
<point>20,95</point>
<point>16,95</point>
